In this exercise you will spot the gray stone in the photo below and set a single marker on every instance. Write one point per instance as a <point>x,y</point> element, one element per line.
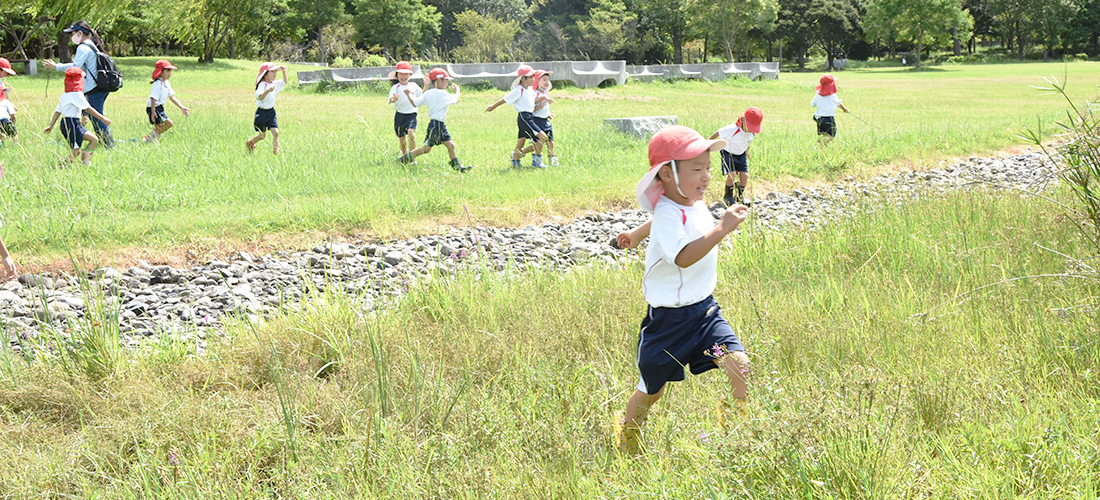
<point>641,126</point>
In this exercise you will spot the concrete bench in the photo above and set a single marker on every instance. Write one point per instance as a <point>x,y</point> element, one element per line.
<point>641,126</point>
<point>30,66</point>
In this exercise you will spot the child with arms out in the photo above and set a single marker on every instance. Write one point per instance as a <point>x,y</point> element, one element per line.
<point>404,117</point>
<point>265,119</point>
<point>437,99</point>
<point>522,97</point>
<point>683,325</point>
<point>72,104</point>
<point>160,93</point>
<point>735,156</point>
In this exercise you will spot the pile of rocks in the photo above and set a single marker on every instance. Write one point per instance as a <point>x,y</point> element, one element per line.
<point>150,300</point>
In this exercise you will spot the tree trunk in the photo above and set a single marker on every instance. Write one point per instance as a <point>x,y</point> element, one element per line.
<point>63,53</point>
<point>829,57</point>
<point>770,42</point>
<point>780,51</point>
<point>321,46</point>
<point>677,47</point>
<point>920,47</point>
<point>955,37</point>
<point>232,48</point>
<point>729,51</point>
<point>706,40</point>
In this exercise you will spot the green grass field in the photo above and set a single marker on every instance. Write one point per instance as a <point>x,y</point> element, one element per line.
<point>199,191</point>
<point>894,357</point>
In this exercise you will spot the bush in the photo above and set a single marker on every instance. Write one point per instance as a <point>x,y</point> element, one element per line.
<point>342,62</point>
<point>369,60</point>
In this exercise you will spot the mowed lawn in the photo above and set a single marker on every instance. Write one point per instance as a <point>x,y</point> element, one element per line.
<point>198,190</point>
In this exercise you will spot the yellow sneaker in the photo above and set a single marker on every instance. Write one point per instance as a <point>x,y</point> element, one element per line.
<point>627,437</point>
<point>740,408</point>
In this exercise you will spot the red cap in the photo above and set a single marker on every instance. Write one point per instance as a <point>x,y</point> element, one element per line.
<point>160,66</point>
<point>673,143</point>
<point>753,117</point>
<point>541,73</point>
<point>828,85</point>
<point>524,70</point>
<point>5,66</point>
<point>437,73</point>
<point>74,80</point>
<point>264,68</point>
<point>404,67</point>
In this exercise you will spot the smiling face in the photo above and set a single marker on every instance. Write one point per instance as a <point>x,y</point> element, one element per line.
<point>694,177</point>
<point>403,78</point>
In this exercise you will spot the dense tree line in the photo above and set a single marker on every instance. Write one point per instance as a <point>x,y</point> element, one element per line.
<point>374,32</point>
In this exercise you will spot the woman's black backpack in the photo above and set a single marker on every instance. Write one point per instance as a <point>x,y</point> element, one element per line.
<point>107,76</point>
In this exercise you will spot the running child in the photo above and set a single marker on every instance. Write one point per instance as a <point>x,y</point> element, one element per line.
<point>72,104</point>
<point>161,92</point>
<point>735,156</point>
<point>683,325</point>
<point>542,114</point>
<point>404,117</point>
<point>826,101</point>
<point>437,99</point>
<point>522,97</point>
<point>267,88</point>
<point>7,109</point>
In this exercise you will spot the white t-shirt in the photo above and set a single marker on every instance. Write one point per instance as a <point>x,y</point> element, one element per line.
<point>437,101</point>
<point>826,104</point>
<point>268,102</point>
<point>402,105</point>
<point>543,112</point>
<point>7,109</point>
<point>674,226</point>
<point>737,140</point>
<point>522,98</point>
<point>72,104</point>
<point>160,92</point>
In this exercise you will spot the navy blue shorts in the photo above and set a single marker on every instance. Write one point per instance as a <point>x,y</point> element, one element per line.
<point>7,127</point>
<point>734,163</point>
<point>73,132</point>
<point>437,133</point>
<point>156,116</point>
<point>544,124</point>
<point>264,120</point>
<point>527,128</point>
<point>826,125</point>
<point>403,123</point>
<point>672,337</point>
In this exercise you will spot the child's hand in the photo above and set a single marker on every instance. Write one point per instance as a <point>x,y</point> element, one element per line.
<point>733,217</point>
<point>551,116</point>
<point>490,108</point>
<point>8,268</point>
<point>393,98</point>
<point>408,92</point>
<point>454,87</point>
<point>626,240</point>
<point>47,129</point>
<point>106,121</point>
<point>186,111</point>
<point>549,99</point>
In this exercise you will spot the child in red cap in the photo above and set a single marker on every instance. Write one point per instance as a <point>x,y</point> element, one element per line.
<point>267,88</point>
<point>72,104</point>
<point>683,325</point>
<point>522,97</point>
<point>161,92</point>
<point>7,109</point>
<point>542,115</point>
<point>826,101</point>
<point>735,156</point>
<point>437,99</point>
<point>404,117</point>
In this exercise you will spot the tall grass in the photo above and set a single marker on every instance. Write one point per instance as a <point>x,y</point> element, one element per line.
<point>338,175</point>
<point>877,375</point>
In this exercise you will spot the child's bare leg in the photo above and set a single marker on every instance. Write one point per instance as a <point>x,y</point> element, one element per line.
<point>638,407</point>
<point>549,148</point>
<point>74,156</point>
<point>744,178</point>
<point>729,179</point>
<point>163,127</point>
<point>421,150</point>
<point>404,143</point>
<point>450,148</point>
<point>736,365</point>
<point>275,141</point>
<point>518,153</point>
<point>411,135</point>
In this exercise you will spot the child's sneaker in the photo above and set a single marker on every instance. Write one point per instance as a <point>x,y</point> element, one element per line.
<point>405,159</point>
<point>728,198</point>
<point>554,161</point>
<point>628,438</point>
<point>536,161</point>
<point>516,164</point>
<point>149,139</point>
<point>457,165</point>
<point>249,146</point>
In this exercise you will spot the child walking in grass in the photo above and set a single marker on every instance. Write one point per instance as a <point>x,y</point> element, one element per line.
<point>735,156</point>
<point>404,117</point>
<point>522,97</point>
<point>72,104</point>
<point>7,109</point>
<point>826,101</point>
<point>683,325</point>
<point>542,115</point>
<point>160,93</point>
<point>265,119</point>
<point>437,99</point>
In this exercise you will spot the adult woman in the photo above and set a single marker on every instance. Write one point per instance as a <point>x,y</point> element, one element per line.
<point>87,43</point>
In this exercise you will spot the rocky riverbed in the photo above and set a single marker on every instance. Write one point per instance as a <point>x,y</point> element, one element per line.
<point>155,301</point>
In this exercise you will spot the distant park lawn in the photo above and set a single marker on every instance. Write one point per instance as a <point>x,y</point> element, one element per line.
<point>200,190</point>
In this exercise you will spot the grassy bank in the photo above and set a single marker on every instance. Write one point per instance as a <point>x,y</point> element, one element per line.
<point>337,174</point>
<point>884,368</point>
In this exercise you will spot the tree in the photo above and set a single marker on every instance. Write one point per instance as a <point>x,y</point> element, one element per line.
<point>917,21</point>
<point>835,26</point>
<point>57,15</point>
<point>608,29</point>
<point>396,24</point>
<point>723,21</point>
<point>485,39</point>
<point>794,25</point>
<point>665,17</point>
<point>313,15</point>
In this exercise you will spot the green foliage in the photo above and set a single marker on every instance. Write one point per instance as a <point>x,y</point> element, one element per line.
<point>724,22</point>
<point>919,21</point>
<point>399,26</point>
<point>609,29</point>
<point>484,38</point>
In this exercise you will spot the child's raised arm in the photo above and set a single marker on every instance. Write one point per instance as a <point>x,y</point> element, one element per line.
<point>841,106</point>
<point>285,78</point>
<point>495,105</point>
<point>696,250</point>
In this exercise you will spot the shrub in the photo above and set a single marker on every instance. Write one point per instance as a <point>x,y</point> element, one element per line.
<point>372,60</point>
<point>342,62</point>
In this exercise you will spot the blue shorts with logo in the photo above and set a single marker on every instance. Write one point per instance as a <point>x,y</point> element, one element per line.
<point>265,119</point>
<point>672,337</point>
<point>734,163</point>
<point>156,116</point>
<point>437,133</point>
<point>73,132</point>
<point>527,128</point>
<point>403,123</point>
<point>544,124</point>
